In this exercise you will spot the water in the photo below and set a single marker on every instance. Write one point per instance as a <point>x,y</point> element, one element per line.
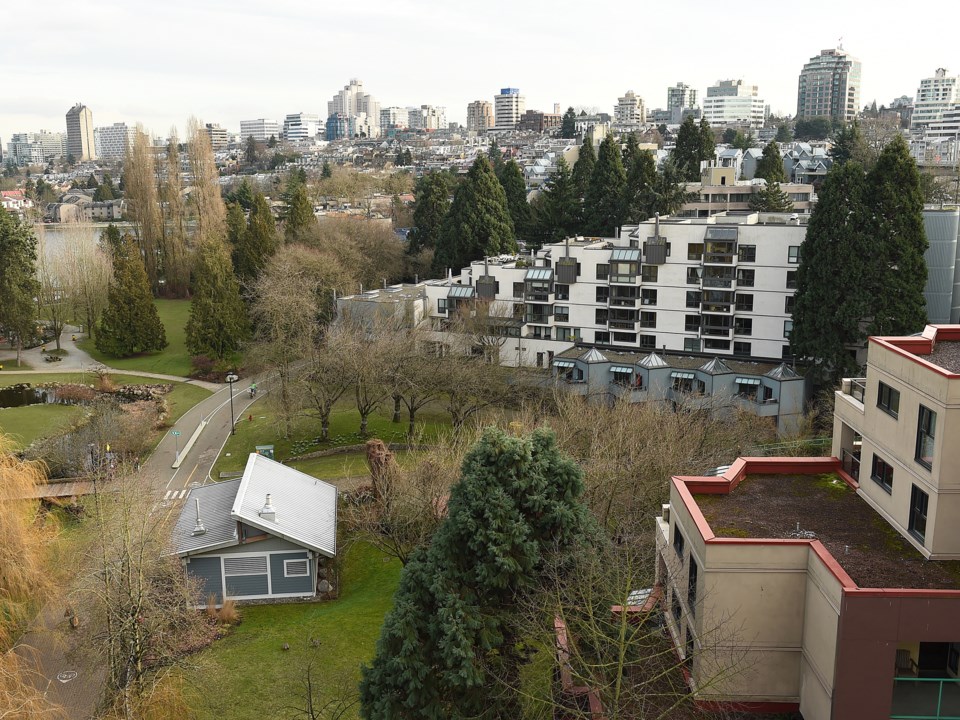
<point>55,237</point>
<point>25,394</point>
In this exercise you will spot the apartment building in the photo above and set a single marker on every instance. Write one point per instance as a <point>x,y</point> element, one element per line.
<point>217,135</point>
<point>630,110</point>
<point>935,96</point>
<point>829,86</point>
<point>681,96</point>
<point>298,127</point>
<point>394,118</point>
<point>508,106</point>
<point>480,116</point>
<point>353,102</point>
<point>80,141</point>
<point>260,129</point>
<point>539,122</point>
<point>36,148</point>
<point>719,192</point>
<point>731,102</point>
<point>111,141</point>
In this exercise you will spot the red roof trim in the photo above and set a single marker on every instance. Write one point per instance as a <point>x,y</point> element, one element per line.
<point>912,347</point>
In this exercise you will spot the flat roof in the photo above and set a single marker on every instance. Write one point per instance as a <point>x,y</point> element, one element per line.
<point>823,507</point>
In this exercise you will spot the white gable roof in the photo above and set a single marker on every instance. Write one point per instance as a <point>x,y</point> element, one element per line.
<point>306,508</point>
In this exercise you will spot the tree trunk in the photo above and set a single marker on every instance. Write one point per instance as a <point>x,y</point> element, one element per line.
<point>412,427</point>
<point>325,428</point>
<point>363,424</point>
<point>396,408</point>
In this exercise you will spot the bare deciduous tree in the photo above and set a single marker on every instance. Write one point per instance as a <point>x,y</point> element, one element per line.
<point>89,270</point>
<point>211,213</point>
<point>143,204</point>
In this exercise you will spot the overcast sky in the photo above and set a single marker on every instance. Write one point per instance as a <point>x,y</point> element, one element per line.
<point>226,60</point>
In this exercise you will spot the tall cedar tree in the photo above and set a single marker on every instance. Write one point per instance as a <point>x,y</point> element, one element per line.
<point>850,145</point>
<point>451,648</point>
<point>686,152</point>
<point>432,204</point>
<point>568,127</point>
<point>603,204</point>
<point>784,133</point>
<point>770,167</point>
<point>130,323</point>
<point>641,180</point>
<point>558,207</point>
<point>218,320</point>
<point>896,226</point>
<point>478,223</point>
<point>827,316</point>
<point>495,156</point>
<point>771,198</point>
<point>299,214</point>
<point>18,283</point>
<point>257,243</point>
<point>708,144</point>
<point>583,167</point>
<point>236,224</point>
<point>515,188</point>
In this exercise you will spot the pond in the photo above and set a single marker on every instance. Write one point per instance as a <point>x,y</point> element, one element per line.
<point>26,394</point>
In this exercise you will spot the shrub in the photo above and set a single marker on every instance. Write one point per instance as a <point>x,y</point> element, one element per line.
<point>228,614</point>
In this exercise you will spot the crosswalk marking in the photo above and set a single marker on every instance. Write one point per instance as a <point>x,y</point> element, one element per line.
<point>176,494</point>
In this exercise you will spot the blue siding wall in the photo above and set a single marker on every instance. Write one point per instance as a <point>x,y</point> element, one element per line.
<point>242,585</point>
<point>207,571</point>
<point>283,585</point>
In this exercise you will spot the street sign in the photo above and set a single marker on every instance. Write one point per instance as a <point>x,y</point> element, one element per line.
<point>265,450</point>
<point>175,433</point>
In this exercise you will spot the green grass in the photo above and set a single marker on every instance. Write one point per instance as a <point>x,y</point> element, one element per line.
<point>172,360</point>
<point>337,466</point>
<point>10,365</point>
<point>237,669</point>
<point>26,424</point>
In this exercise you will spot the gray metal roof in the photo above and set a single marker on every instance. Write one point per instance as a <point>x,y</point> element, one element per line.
<point>783,372</point>
<point>715,366</point>
<point>215,503</point>
<point>652,361</point>
<point>625,255</point>
<point>539,274</point>
<point>306,508</point>
<point>460,291</point>
<point>721,233</point>
<point>593,356</point>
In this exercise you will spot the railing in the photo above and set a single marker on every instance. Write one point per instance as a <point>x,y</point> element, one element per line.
<point>623,302</point>
<point>623,279</point>
<point>718,258</point>
<point>718,282</point>
<point>858,389</point>
<point>925,699</point>
<point>850,462</point>
<point>622,324</point>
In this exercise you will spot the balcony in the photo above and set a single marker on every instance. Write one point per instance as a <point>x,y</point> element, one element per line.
<point>716,308</point>
<point>717,282</point>
<point>717,331</point>
<point>719,258</point>
<point>623,279</point>
<point>925,698</point>
<point>630,325</point>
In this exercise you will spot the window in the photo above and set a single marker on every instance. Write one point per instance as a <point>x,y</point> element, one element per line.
<point>926,431</point>
<point>742,348</point>
<point>717,344</point>
<point>623,272</point>
<point>539,359</point>
<point>694,251</point>
<point>601,316</point>
<point>296,568</point>
<point>625,337</point>
<point>882,473</point>
<point>745,277</point>
<point>648,342</point>
<point>568,334</point>
<point>603,271</point>
<point>648,319</point>
<point>601,337</point>
<point>675,607</point>
<point>691,345</point>
<point>518,290</point>
<point>692,586</point>
<point>648,296</point>
<point>888,400</point>
<point>693,275</point>
<point>562,291</point>
<point>245,565</point>
<point>649,273</point>
<point>787,328</point>
<point>918,513</point>
<point>693,298</point>
<point>793,254</point>
<point>747,253</point>
<point>603,294</point>
<point>743,326</point>
<point>786,353</point>
<point>691,323</point>
<point>677,541</point>
<point>790,303</point>
<point>442,306</point>
<point>744,302</point>
<point>561,313</point>
<point>791,279</point>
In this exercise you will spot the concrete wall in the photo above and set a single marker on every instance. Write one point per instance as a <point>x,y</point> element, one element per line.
<point>821,617</point>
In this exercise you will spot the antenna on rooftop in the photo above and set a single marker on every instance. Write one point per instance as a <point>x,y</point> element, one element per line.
<point>198,529</point>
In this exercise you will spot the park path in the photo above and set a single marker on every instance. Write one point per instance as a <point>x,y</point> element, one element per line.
<point>74,682</point>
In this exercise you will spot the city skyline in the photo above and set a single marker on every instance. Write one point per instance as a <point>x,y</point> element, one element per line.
<point>226,62</point>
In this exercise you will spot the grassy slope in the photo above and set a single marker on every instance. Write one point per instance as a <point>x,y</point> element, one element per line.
<point>172,360</point>
<point>238,668</point>
<point>26,424</point>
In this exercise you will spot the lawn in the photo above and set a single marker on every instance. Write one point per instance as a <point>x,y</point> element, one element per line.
<point>172,360</point>
<point>9,364</point>
<point>247,676</point>
<point>26,424</point>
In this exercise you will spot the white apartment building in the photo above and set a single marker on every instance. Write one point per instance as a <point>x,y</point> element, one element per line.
<point>935,96</point>
<point>36,148</point>
<point>427,117</point>
<point>111,141</point>
<point>301,126</point>
<point>352,101</point>
<point>829,86</point>
<point>394,117</point>
<point>630,109</point>
<point>508,106</point>
<point>731,102</point>
<point>218,136</point>
<point>260,129</point>
<point>479,116</point>
<point>681,96</point>
<point>939,142</point>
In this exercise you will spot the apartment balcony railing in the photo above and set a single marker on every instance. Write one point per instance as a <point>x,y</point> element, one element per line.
<point>719,258</point>
<point>716,308</point>
<point>712,331</point>
<point>622,325</point>
<point>717,282</point>
<point>858,388</point>
<point>850,459</point>
<point>925,699</point>
<point>623,302</point>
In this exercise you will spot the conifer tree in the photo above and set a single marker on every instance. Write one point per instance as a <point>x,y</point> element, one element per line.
<point>686,153</point>
<point>432,195</point>
<point>603,204</point>
<point>130,323</point>
<point>770,167</point>
<point>641,180</point>
<point>299,215</point>
<point>568,127</point>
<point>515,188</point>
<point>18,282</point>
<point>327,171</point>
<point>771,198</point>
<point>495,156</point>
<point>450,648</point>
<point>236,224</point>
<point>896,227</point>
<point>558,207</point>
<point>218,321</point>
<point>257,242</point>
<point>583,167</point>
<point>708,143</point>
<point>850,145</point>
<point>478,223</point>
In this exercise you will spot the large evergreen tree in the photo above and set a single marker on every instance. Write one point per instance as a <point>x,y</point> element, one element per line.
<point>299,214</point>
<point>896,228</point>
<point>130,323</point>
<point>256,243</point>
<point>583,167</point>
<point>478,223</point>
<point>18,282</point>
<point>708,143</point>
<point>604,202</point>
<point>687,151</point>
<point>495,156</point>
<point>236,224</point>
<point>515,188</point>
<point>451,648</point>
<point>568,127</point>
<point>828,315</point>
<point>218,321</point>
<point>639,188</point>
<point>849,144</point>
<point>557,207</point>
<point>770,167</point>
<point>771,198</point>
<point>432,194</point>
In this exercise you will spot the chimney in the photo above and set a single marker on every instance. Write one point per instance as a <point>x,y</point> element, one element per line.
<point>198,529</point>
<point>656,226</point>
<point>268,512</point>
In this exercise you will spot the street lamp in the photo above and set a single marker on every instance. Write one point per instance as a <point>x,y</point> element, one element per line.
<point>232,378</point>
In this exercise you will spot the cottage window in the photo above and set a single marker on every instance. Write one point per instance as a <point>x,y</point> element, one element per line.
<point>296,568</point>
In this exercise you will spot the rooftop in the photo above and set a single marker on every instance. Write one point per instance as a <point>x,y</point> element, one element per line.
<point>946,354</point>
<point>823,507</point>
<point>686,362</point>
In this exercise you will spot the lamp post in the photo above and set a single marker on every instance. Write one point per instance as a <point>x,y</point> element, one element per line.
<point>232,378</point>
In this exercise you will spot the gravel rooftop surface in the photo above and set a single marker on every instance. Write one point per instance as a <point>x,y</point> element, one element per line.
<point>946,354</point>
<point>870,550</point>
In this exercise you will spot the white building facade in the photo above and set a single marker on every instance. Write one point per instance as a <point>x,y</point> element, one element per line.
<point>630,109</point>
<point>111,141</point>
<point>260,129</point>
<point>508,106</point>
<point>301,126</point>
<point>731,102</point>
<point>36,148</point>
<point>353,102</point>
<point>935,96</point>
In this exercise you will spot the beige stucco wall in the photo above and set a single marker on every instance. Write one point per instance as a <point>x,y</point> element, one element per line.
<point>820,622</point>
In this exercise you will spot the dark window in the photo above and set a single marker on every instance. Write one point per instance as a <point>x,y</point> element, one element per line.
<point>716,344</point>
<point>743,326</point>
<point>648,319</point>
<point>648,342</point>
<point>787,328</point>
<point>677,541</point>
<point>742,348</point>
<point>601,317</point>
<point>694,251</point>
<point>793,254</point>
<point>882,473</point>
<point>791,279</point>
<point>918,513</point>
<point>692,586</point>
<point>744,302</point>
<point>518,290</point>
<point>603,294</point>
<point>747,253</point>
<point>649,273</point>
<point>691,345</point>
<point>442,306</point>
<point>539,359</point>
<point>693,275</point>
<point>926,431</point>
<point>603,271</point>
<point>561,313</point>
<point>601,337</point>
<point>790,303</point>
<point>745,277</point>
<point>562,291</point>
<point>786,353</point>
<point>888,400</point>
<point>675,607</point>
<point>691,323</point>
<point>693,298</point>
<point>648,296</point>
<point>624,337</point>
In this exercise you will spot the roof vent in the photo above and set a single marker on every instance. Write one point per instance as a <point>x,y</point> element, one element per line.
<point>198,529</point>
<point>268,512</point>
